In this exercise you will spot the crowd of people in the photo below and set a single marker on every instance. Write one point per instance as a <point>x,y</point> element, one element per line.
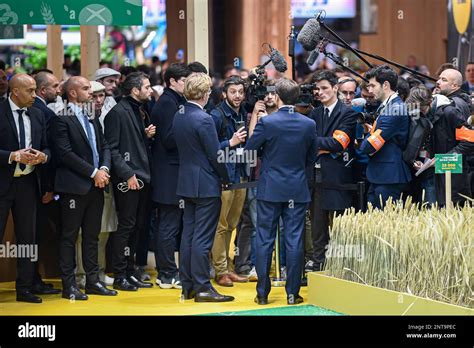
<point>122,161</point>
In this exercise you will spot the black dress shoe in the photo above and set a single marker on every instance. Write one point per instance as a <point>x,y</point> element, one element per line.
<point>44,289</point>
<point>138,283</point>
<point>188,294</point>
<point>261,300</point>
<point>212,296</point>
<point>73,293</point>
<point>124,285</point>
<point>294,300</point>
<point>27,296</point>
<point>99,289</point>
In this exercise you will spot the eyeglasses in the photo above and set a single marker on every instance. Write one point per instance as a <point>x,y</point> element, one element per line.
<point>348,93</point>
<point>123,186</point>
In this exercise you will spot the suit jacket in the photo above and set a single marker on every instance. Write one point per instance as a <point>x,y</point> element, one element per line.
<point>48,172</point>
<point>386,143</point>
<point>200,173</point>
<point>9,142</point>
<point>164,149</point>
<point>335,148</point>
<point>287,141</point>
<point>75,163</point>
<point>129,145</point>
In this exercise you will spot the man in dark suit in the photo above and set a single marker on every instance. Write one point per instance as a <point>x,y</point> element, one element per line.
<point>468,85</point>
<point>128,139</point>
<point>47,90</point>
<point>200,181</point>
<point>287,141</point>
<point>166,166</point>
<point>23,147</point>
<point>387,172</point>
<point>81,174</point>
<point>335,129</point>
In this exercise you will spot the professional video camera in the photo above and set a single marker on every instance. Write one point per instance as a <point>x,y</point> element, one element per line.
<point>367,117</point>
<point>257,89</point>
<point>306,94</point>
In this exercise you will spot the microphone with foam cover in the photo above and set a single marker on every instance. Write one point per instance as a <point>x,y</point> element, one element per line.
<point>278,60</point>
<point>309,35</point>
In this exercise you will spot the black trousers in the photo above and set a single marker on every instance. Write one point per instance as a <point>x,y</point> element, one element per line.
<point>169,226</point>
<point>200,219</point>
<point>47,215</point>
<point>80,212</point>
<point>21,199</point>
<point>132,209</point>
<point>321,219</point>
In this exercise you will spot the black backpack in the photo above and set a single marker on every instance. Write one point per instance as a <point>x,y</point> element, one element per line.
<point>420,128</point>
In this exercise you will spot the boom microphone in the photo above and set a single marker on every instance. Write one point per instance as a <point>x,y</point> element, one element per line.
<point>278,60</point>
<point>309,35</point>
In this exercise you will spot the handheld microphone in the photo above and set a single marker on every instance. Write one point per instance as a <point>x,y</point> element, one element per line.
<point>291,43</point>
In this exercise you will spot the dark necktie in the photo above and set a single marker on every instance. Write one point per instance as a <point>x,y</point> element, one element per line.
<point>325,120</point>
<point>91,142</point>
<point>21,125</point>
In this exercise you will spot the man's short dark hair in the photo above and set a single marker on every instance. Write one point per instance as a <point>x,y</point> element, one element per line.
<point>327,75</point>
<point>197,67</point>
<point>288,91</point>
<point>133,80</point>
<point>127,70</point>
<point>176,71</point>
<point>403,88</point>
<point>232,81</point>
<point>383,73</point>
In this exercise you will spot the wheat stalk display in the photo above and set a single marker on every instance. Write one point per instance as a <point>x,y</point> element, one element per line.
<point>420,251</point>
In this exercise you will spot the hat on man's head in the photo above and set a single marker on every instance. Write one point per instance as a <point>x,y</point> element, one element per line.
<point>105,72</point>
<point>97,87</point>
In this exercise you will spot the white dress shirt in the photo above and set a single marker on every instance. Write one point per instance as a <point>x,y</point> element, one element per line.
<point>28,141</point>
<point>331,108</point>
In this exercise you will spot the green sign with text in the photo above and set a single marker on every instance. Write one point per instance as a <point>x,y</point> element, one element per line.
<point>71,12</point>
<point>448,163</point>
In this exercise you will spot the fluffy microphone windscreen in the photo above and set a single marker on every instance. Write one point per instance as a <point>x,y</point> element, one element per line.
<point>309,34</point>
<point>278,61</point>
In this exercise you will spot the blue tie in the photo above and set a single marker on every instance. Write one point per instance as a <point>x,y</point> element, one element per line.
<point>91,142</point>
<point>21,125</point>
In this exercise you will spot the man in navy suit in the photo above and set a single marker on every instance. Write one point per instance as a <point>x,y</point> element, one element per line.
<point>23,147</point>
<point>164,182</point>
<point>335,128</point>
<point>387,172</point>
<point>287,141</point>
<point>200,180</point>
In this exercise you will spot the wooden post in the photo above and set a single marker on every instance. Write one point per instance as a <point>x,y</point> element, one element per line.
<point>198,31</point>
<point>448,191</point>
<point>55,49</point>
<point>90,51</point>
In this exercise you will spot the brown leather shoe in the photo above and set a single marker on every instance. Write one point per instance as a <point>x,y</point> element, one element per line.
<point>224,280</point>
<point>236,278</point>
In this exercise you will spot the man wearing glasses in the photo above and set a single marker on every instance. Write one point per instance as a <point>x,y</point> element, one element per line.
<point>347,90</point>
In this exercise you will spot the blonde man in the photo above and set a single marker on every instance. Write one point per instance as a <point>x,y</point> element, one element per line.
<point>200,181</point>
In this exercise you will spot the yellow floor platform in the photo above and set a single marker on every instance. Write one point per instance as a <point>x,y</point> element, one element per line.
<point>154,301</point>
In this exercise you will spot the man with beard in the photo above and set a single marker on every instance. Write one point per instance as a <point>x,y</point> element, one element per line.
<point>387,172</point>
<point>110,79</point>
<point>230,118</point>
<point>47,90</point>
<point>128,137</point>
<point>449,84</point>
<point>82,173</point>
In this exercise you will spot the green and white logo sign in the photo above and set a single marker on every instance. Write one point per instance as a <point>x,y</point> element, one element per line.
<point>71,12</point>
